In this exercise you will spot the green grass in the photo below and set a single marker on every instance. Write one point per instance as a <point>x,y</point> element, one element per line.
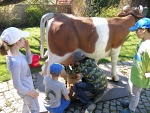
<point>126,53</point>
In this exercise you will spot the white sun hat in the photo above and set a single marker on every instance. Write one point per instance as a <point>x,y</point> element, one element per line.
<point>12,34</point>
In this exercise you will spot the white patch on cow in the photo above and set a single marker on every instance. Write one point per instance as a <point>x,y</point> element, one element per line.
<point>102,29</point>
<point>53,58</point>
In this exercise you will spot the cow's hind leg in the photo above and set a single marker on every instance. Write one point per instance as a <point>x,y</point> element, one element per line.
<point>114,59</point>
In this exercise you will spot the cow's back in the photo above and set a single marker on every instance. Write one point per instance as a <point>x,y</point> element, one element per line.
<point>68,33</point>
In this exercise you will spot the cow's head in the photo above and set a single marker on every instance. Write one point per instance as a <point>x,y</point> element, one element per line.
<point>136,12</point>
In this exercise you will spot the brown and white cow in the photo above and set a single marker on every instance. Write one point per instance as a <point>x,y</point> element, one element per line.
<point>96,37</point>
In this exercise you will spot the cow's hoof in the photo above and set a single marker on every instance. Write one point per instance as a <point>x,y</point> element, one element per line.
<point>115,78</point>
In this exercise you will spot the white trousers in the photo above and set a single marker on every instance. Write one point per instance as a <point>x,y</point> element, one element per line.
<point>135,96</point>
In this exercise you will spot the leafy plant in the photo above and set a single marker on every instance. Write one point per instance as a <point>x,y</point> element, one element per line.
<point>34,15</point>
<point>110,12</point>
<point>94,7</point>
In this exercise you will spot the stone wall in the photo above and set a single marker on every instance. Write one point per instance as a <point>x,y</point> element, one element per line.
<point>15,14</point>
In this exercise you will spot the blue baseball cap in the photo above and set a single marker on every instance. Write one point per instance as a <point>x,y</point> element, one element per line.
<point>142,23</point>
<point>56,69</point>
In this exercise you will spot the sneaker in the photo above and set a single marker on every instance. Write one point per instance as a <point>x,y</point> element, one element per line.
<point>124,104</point>
<point>90,108</point>
<point>127,110</point>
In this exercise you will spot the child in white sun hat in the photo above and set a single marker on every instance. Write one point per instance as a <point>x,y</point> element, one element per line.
<point>12,40</point>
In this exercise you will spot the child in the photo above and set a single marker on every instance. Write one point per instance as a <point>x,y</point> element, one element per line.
<point>12,39</point>
<point>93,80</point>
<point>140,71</point>
<point>54,102</point>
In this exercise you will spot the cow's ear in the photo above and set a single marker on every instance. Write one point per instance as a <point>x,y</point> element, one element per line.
<point>122,14</point>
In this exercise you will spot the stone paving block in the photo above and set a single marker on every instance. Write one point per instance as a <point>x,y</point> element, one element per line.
<point>113,108</point>
<point>8,94</point>
<point>3,84</point>
<point>98,111</point>
<point>105,67</point>
<point>108,65</point>
<point>3,87</point>
<point>10,87</point>
<point>148,108</point>
<point>143,110</point>
<point>105,110</point>
<point>119,63</point>
<point>118,108</point>
<point>6,109</point>
<point>106,105</point>
<point>125,63</point>
<point>77,111</point>
<point>130,62</point>
<point>71,109</point>
<point>99,106</point>
<point>2,104</point>
<point>1,97</point>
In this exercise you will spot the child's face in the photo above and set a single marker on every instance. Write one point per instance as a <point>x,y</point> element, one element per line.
<point>141,33</point>
<point>22,42</point>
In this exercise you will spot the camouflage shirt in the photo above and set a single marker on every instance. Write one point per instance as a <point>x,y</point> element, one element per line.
<point>91,72</point>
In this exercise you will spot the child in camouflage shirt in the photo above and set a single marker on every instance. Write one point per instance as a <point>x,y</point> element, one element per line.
<point>94,80</point>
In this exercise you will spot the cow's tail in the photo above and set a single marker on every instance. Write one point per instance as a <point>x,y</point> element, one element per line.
<point>43,21</point>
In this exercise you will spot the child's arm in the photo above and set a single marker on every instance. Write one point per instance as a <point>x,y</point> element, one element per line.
<point>33,94</point>
<point>67,97</point>
<point>147,75</point>
<point>27,47</point>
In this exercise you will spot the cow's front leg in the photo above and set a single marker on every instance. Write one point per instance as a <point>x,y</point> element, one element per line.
<point>114,59</point>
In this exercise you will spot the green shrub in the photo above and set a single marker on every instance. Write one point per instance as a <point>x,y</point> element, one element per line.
<point>34,15</point>
<point>110,12</point>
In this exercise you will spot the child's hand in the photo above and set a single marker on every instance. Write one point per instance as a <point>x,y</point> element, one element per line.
<point>27,46</point>
<point>147,75</point>
<point>45,66</point>
<point>77,63</point>
<point>33,94</point>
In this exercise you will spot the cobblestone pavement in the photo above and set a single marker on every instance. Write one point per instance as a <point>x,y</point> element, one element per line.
<point>10,102</point>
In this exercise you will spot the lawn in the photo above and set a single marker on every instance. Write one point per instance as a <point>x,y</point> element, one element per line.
<point>126,53</point>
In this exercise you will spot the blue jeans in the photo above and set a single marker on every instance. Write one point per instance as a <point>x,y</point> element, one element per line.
<point>64,104</point>
<point>80,88</point>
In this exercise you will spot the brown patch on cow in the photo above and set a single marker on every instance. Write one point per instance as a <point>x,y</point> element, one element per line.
<point>66,34</point>
<point>69,61</point>
<point>119,31</point>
